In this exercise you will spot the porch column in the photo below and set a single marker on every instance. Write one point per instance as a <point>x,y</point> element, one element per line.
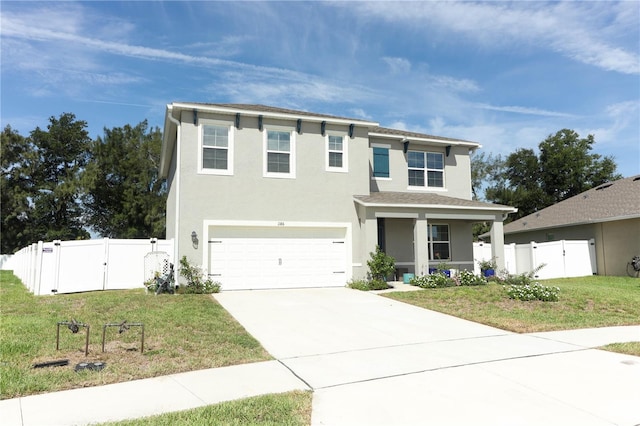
<point>420,248</point>
<point>497,242</point>
<point>370,239</point>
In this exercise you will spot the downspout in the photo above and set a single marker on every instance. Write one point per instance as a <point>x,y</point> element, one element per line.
<point>176,243</point>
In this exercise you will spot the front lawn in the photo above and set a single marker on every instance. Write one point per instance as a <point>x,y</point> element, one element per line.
<point>182,333</point>
<point>585,302</point>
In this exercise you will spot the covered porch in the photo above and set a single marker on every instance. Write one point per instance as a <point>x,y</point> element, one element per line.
<point>422,230</point>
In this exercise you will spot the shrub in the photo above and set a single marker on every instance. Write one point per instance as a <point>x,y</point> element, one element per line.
<point>196,283</point>
<point>436,280</point>
<point>381,265</point>
<point>525,278</point>
<point>367,285</point>
<point>533,292</point>
<point>468,278</point>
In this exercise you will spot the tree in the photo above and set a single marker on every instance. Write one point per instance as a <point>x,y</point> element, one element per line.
<point>569,168</point>
<point>125,196</point>
<point>16,187</point>
<point>564,168</point>
<point>60,154</point>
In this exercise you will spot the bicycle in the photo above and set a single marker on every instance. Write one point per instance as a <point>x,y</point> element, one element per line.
<point>633,267</point>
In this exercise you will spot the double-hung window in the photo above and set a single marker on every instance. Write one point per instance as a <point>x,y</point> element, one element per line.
<point>380,162</point>
<point>438,242</point>
<point>216,149</point>
<point>279,154</point>
<point>337,160</point>
<point>426,169</point>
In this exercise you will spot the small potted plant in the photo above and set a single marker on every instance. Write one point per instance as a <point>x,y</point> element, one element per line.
<point>441,268</point>
<point>488,267</point>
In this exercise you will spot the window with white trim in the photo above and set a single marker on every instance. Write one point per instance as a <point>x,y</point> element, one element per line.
<point>279,153</point>
<point>426,169</point>
<point>337,160</point>
<point>216,149</point>
<point>439,242</point>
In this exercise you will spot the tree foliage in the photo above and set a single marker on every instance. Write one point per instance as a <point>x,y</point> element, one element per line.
<point>57,183</point>
<point>125,196</point>
<point>61,153</point>
<point>16,189</point>
<point>564,167</point>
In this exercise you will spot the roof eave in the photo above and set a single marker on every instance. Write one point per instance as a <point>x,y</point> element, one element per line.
<point>400,137</point>
<point>584,222</point>
<point>271,114</point>
<point>437,206</point>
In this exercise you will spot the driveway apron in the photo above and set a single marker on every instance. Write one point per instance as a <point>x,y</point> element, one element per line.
<point>373,360</point>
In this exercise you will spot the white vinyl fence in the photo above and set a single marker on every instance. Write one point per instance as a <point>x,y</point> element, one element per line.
<point>85,265</point>
<point>562,259</point>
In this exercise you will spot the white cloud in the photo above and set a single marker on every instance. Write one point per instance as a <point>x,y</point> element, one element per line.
<point>525,110</point>
<point>398,65</point>
<point>578,30</point>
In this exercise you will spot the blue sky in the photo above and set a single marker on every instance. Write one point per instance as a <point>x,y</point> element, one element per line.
<point>504,74</point>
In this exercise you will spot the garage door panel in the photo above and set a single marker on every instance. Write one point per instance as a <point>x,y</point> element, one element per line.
<point>254,263</point>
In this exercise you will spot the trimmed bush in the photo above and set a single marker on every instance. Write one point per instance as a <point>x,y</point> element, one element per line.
<point>533,292</point>
<point>437,280</point>
<point>468,278</point>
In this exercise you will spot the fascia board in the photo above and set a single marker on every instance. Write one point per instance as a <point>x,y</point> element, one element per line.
<point>277,115</point>
<point>436,206</point>
<point>425,140</point>
<point>583,222</point>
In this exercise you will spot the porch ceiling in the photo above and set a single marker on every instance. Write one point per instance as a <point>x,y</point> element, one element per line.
<point>427,200</point>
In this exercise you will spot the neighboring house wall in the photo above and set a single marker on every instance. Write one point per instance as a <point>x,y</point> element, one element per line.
<point>618,242</point>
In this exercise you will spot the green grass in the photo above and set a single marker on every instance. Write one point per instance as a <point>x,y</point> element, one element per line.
<point>182,333</point>
<point>629,348</point>
<point>289,409</point>
<point>585,302</point>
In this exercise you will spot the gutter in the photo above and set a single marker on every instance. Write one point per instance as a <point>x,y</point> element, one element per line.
<point>176,243</point>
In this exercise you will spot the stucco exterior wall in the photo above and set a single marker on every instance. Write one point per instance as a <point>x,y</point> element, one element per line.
<point>457,169</point>
<point>314,195</point>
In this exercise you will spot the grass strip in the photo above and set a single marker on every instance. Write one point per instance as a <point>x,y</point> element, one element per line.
<point>287,409</point>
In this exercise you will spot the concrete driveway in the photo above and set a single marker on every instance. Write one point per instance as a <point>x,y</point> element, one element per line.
<point>371,360</point>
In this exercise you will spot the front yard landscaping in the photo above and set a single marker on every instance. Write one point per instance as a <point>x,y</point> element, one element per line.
<point>182,333</point>
<point>583,302</point>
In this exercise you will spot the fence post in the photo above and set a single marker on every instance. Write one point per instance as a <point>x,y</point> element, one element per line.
<point>57,248</point>
<point>592,257</point>
<point>533,256</point>
<point>105,263</point>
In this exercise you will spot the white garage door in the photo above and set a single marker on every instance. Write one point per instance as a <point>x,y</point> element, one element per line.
<point>290,258</point>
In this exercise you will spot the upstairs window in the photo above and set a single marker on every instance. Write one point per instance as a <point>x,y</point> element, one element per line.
<point>438,241</point>
<point>426,169</point>
<point>216,149</point>
<point>279,154</point>
<point>336,154</point>
<point>380,162</point>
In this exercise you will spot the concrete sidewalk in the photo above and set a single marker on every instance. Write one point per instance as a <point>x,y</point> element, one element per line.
<point>141,398</point>
<point>372,360</point>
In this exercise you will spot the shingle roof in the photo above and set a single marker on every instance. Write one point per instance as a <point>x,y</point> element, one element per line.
<point>414,199</point>
<point>619,199</point>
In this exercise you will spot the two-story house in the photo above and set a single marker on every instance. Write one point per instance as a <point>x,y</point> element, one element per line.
<point>266,197</point>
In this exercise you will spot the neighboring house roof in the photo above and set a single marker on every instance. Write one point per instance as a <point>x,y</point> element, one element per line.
<point>615,200</point>
<point>426,200</point>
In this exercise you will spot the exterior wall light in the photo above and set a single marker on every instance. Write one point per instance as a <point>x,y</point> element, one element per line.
<point>194,239</point>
